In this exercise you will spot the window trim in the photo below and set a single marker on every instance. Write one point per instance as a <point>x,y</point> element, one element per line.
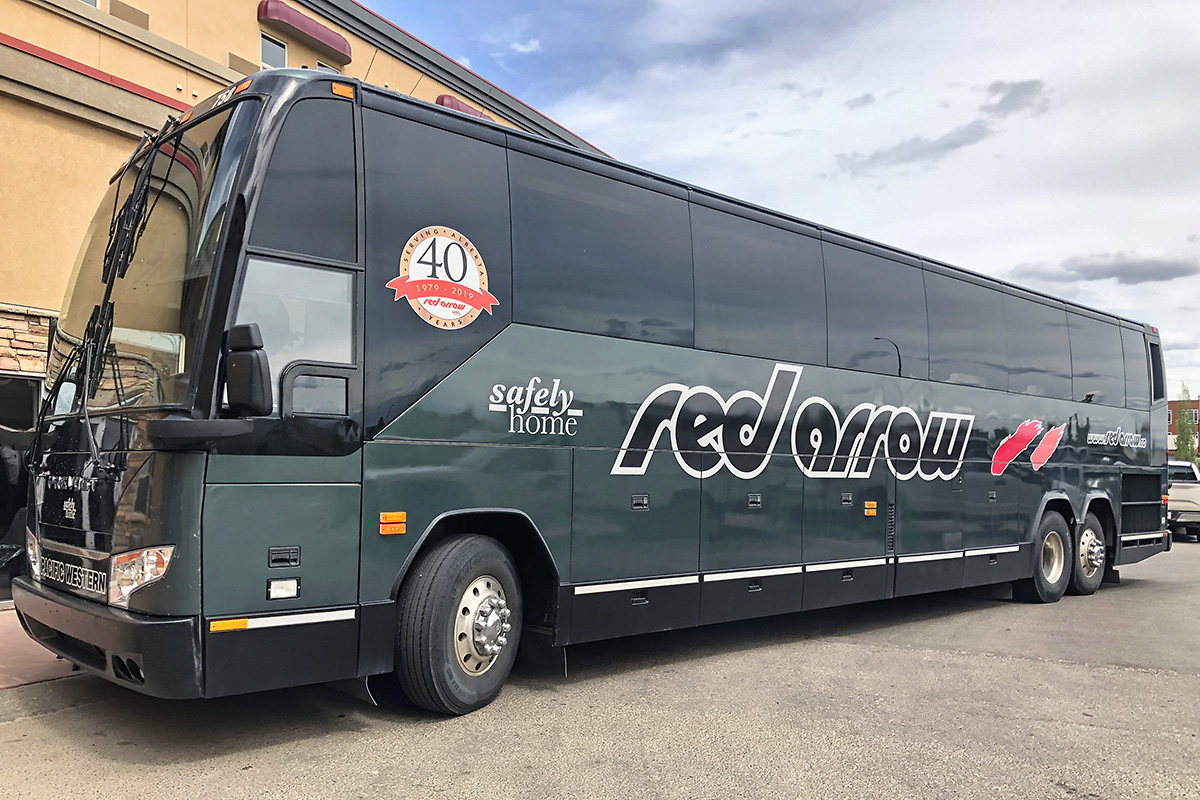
<point>269,38</point>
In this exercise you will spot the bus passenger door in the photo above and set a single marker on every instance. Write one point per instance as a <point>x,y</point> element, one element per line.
<point>634,547</point>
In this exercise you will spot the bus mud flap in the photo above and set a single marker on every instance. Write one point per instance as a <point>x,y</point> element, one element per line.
<point>538,655</point>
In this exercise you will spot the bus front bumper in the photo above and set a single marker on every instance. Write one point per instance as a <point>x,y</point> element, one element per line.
<point>158,656</point>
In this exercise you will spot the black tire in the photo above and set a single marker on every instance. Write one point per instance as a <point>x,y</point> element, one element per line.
<point>1051,568</point>
<point>1083,581</point>
<point>428,665</point>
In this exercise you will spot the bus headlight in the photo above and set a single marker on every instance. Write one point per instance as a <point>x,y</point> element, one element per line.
<point>130,571</point>
<point>33,552</point>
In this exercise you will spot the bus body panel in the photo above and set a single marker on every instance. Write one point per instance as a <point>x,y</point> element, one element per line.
<point>428,481</point>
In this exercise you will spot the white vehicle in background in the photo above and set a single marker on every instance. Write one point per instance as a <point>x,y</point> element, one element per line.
<point>1183,503</point>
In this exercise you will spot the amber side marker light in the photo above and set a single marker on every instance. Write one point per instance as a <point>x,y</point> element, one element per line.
<point>1165,498</point>
<point>185,118</point>
<point>241,87</point>
<point>392,530</point>
<point>343,90</point>
<point>228,625</point>
<point>870,509</point>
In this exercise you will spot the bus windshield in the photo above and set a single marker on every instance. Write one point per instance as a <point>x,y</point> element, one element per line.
<point>158,304</point>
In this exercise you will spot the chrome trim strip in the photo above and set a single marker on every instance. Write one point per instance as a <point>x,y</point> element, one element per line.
<point>863,562</point>
<point>599,588</point>
<point>752,573</point>
<point>928,557</point>
<point>299,619</point>
<point>1133,536</point>
<point>72,550</point>
<point>994,551</point>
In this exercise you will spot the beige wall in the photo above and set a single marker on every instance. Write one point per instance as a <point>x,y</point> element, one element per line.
<point>50,193</point>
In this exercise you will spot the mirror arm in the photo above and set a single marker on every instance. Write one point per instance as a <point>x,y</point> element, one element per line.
<point>192,434</point>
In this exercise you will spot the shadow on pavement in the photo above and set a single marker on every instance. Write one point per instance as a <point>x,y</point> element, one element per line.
<point>123,726</point>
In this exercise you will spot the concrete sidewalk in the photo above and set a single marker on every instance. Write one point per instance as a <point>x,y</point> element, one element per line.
<point>22,660</point>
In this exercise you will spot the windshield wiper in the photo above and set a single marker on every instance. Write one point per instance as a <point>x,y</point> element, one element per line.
<point>125,229</point>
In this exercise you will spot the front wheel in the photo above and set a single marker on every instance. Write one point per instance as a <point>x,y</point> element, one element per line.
<point>1052,556</point>
<point>460,621</point>
<point>1090,554</point>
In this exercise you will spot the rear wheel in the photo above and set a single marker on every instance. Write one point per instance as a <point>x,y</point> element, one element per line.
<point>460,621</point>
<point>1088,569</point>
<point>1052,557</point>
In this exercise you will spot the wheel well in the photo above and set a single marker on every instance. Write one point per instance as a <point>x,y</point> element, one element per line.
<point>1063,507</point>
<point>538,575</point>
<point>1103,511</point>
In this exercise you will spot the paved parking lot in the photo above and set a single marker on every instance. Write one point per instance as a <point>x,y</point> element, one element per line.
<point>960,694</point>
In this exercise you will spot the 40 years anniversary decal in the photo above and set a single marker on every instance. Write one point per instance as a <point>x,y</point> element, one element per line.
<point>443,278</point>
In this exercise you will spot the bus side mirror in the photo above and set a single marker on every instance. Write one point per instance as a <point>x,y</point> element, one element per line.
<point>247,373</point>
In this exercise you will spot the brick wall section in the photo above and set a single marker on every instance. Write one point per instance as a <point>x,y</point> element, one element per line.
<point>23,338</point>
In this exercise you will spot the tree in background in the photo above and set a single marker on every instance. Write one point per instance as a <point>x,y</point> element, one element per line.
<point>1185,429</point>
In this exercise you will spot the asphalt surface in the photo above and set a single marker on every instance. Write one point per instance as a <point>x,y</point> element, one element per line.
<point>960,694</point>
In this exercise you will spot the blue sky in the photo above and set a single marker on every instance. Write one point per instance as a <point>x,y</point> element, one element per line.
<point>1051,144</point>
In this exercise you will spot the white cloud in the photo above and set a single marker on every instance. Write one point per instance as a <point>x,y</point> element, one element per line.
<point>527,47</point>
<point>1015,133</point>
<point>466,62</point>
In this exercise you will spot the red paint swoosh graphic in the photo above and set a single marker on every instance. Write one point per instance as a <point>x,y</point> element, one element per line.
<point>1014,445</point>
<point>1047,446</point>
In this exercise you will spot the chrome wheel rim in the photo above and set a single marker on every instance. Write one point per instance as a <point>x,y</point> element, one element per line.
<point>1091,553</point>
<point>481,625</point>
<point>1053,558</point>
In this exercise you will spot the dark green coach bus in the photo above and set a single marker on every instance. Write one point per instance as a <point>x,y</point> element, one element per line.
<point>346,384</point>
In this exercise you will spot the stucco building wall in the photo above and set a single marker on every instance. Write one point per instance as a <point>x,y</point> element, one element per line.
<point>79,83</point>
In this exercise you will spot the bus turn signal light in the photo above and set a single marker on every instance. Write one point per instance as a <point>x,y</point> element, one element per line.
<point>228,625</point>
<point>343,90</point>
<point>393,516</point>
<point>241,87</point>
<point>395,528</point>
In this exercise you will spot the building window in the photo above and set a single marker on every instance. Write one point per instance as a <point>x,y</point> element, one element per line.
<point>92,3</point>
<point>321,67</point>
<point>274,53</point>
<point>1195,416</point>
<point>1168,416</point>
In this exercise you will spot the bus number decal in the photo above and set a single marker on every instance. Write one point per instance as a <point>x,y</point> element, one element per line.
<point>709,433</point>
<point>443,278</point>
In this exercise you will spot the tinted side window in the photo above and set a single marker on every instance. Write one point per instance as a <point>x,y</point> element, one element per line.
<point>759,289</point>
<point>1137,369</point>
<point>1039,349</point>
<point>1159,386</point>
<point>966,333</point>
<point>596,255</point>
<point>308,200</point>
<point>870,296</point>
<point>1097,364</point>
